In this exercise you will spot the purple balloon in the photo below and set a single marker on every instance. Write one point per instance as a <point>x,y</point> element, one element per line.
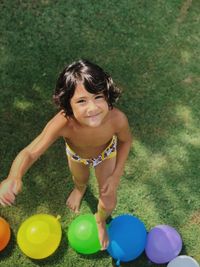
<point>163,244</point>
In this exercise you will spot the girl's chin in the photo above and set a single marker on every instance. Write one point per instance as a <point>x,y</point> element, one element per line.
<point>92,123</point>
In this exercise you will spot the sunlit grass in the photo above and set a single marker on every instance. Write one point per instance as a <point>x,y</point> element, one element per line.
<point>151,48</point>
<point>22,104</point>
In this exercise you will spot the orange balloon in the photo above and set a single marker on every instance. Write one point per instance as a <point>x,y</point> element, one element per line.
<point>4,233</point>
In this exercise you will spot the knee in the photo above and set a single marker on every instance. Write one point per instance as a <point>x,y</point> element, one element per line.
<point>82,177</point>
<point>108,205</point>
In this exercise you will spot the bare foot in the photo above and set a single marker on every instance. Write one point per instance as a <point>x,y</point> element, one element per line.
<point>103,236</point>
<point>75,197</point>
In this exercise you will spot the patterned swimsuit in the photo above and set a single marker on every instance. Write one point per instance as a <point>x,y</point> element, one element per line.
<point>109,152</point>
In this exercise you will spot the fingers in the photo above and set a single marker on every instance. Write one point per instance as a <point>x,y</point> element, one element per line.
<point>7,196</point>
<point>107,189</point>
<point>2,203</point>
<point>7,200</point>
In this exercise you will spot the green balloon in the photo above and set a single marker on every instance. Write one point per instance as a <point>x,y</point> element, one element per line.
<point>83,234</point>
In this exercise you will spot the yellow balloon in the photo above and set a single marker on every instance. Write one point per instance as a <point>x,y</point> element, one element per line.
<point>39,236</point>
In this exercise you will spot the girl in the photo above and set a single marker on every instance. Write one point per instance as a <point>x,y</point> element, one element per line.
<point>96,134</point>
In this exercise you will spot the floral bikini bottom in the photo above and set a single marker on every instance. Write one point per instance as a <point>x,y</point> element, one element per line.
<point>109,152</point>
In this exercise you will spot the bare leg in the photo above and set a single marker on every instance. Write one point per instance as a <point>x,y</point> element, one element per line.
<point>106,203</point>
<point>80,174</point>
<point>101,216</point>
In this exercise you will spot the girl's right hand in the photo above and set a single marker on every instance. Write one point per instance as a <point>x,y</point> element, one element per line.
<point>9,188</point>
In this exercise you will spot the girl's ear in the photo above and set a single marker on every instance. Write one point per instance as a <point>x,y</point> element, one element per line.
<point>110,107</point>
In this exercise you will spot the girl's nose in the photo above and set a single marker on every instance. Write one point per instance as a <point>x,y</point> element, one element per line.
<point>91,108</point>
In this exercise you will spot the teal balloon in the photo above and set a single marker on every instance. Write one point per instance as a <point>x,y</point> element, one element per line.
<point>127,236</point>
<point>83,234</point>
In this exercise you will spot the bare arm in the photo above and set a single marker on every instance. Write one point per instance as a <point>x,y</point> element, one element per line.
<point>25,159</point>
<point>123,146</point>
<point>32,152</point>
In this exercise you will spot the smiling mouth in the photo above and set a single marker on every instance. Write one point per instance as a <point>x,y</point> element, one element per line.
<point>93,116</point>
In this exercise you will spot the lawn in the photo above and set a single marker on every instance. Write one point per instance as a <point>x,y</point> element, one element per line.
<point>152,51</point>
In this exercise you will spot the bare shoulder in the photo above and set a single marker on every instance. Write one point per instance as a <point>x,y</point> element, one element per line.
<point>121,125</point>
<point>58,123</point>
<point>59,118</point>
<point>118,117</point>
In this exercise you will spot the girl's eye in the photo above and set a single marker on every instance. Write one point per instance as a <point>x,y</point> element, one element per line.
<point>80,101</point>
<point>99,96</point>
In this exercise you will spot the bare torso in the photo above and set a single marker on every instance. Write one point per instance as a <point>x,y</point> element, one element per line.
<point>87,141</point>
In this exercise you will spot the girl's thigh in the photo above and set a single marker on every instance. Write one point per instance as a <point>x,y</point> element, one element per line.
<point>80,171</point>
<point>104,170</point>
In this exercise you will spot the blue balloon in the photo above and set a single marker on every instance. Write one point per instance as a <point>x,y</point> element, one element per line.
<point>127,235</point>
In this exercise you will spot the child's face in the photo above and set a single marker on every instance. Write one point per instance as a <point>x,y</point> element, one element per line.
<point>88,109</point>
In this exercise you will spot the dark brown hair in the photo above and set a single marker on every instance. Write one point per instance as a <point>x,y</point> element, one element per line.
<point>94,79</point>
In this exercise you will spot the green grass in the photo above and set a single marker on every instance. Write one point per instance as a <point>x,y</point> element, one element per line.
<point>151,48</point>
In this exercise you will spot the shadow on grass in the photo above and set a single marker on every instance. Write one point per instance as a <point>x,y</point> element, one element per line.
<point>141,261</point>
<point>96,256</point>
<point>91,200</point>
<point>150,102</point>
<point>158,81</point>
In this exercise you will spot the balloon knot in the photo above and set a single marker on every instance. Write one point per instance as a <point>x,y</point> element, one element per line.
<point>118,263</point>
<point>58,217</point>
